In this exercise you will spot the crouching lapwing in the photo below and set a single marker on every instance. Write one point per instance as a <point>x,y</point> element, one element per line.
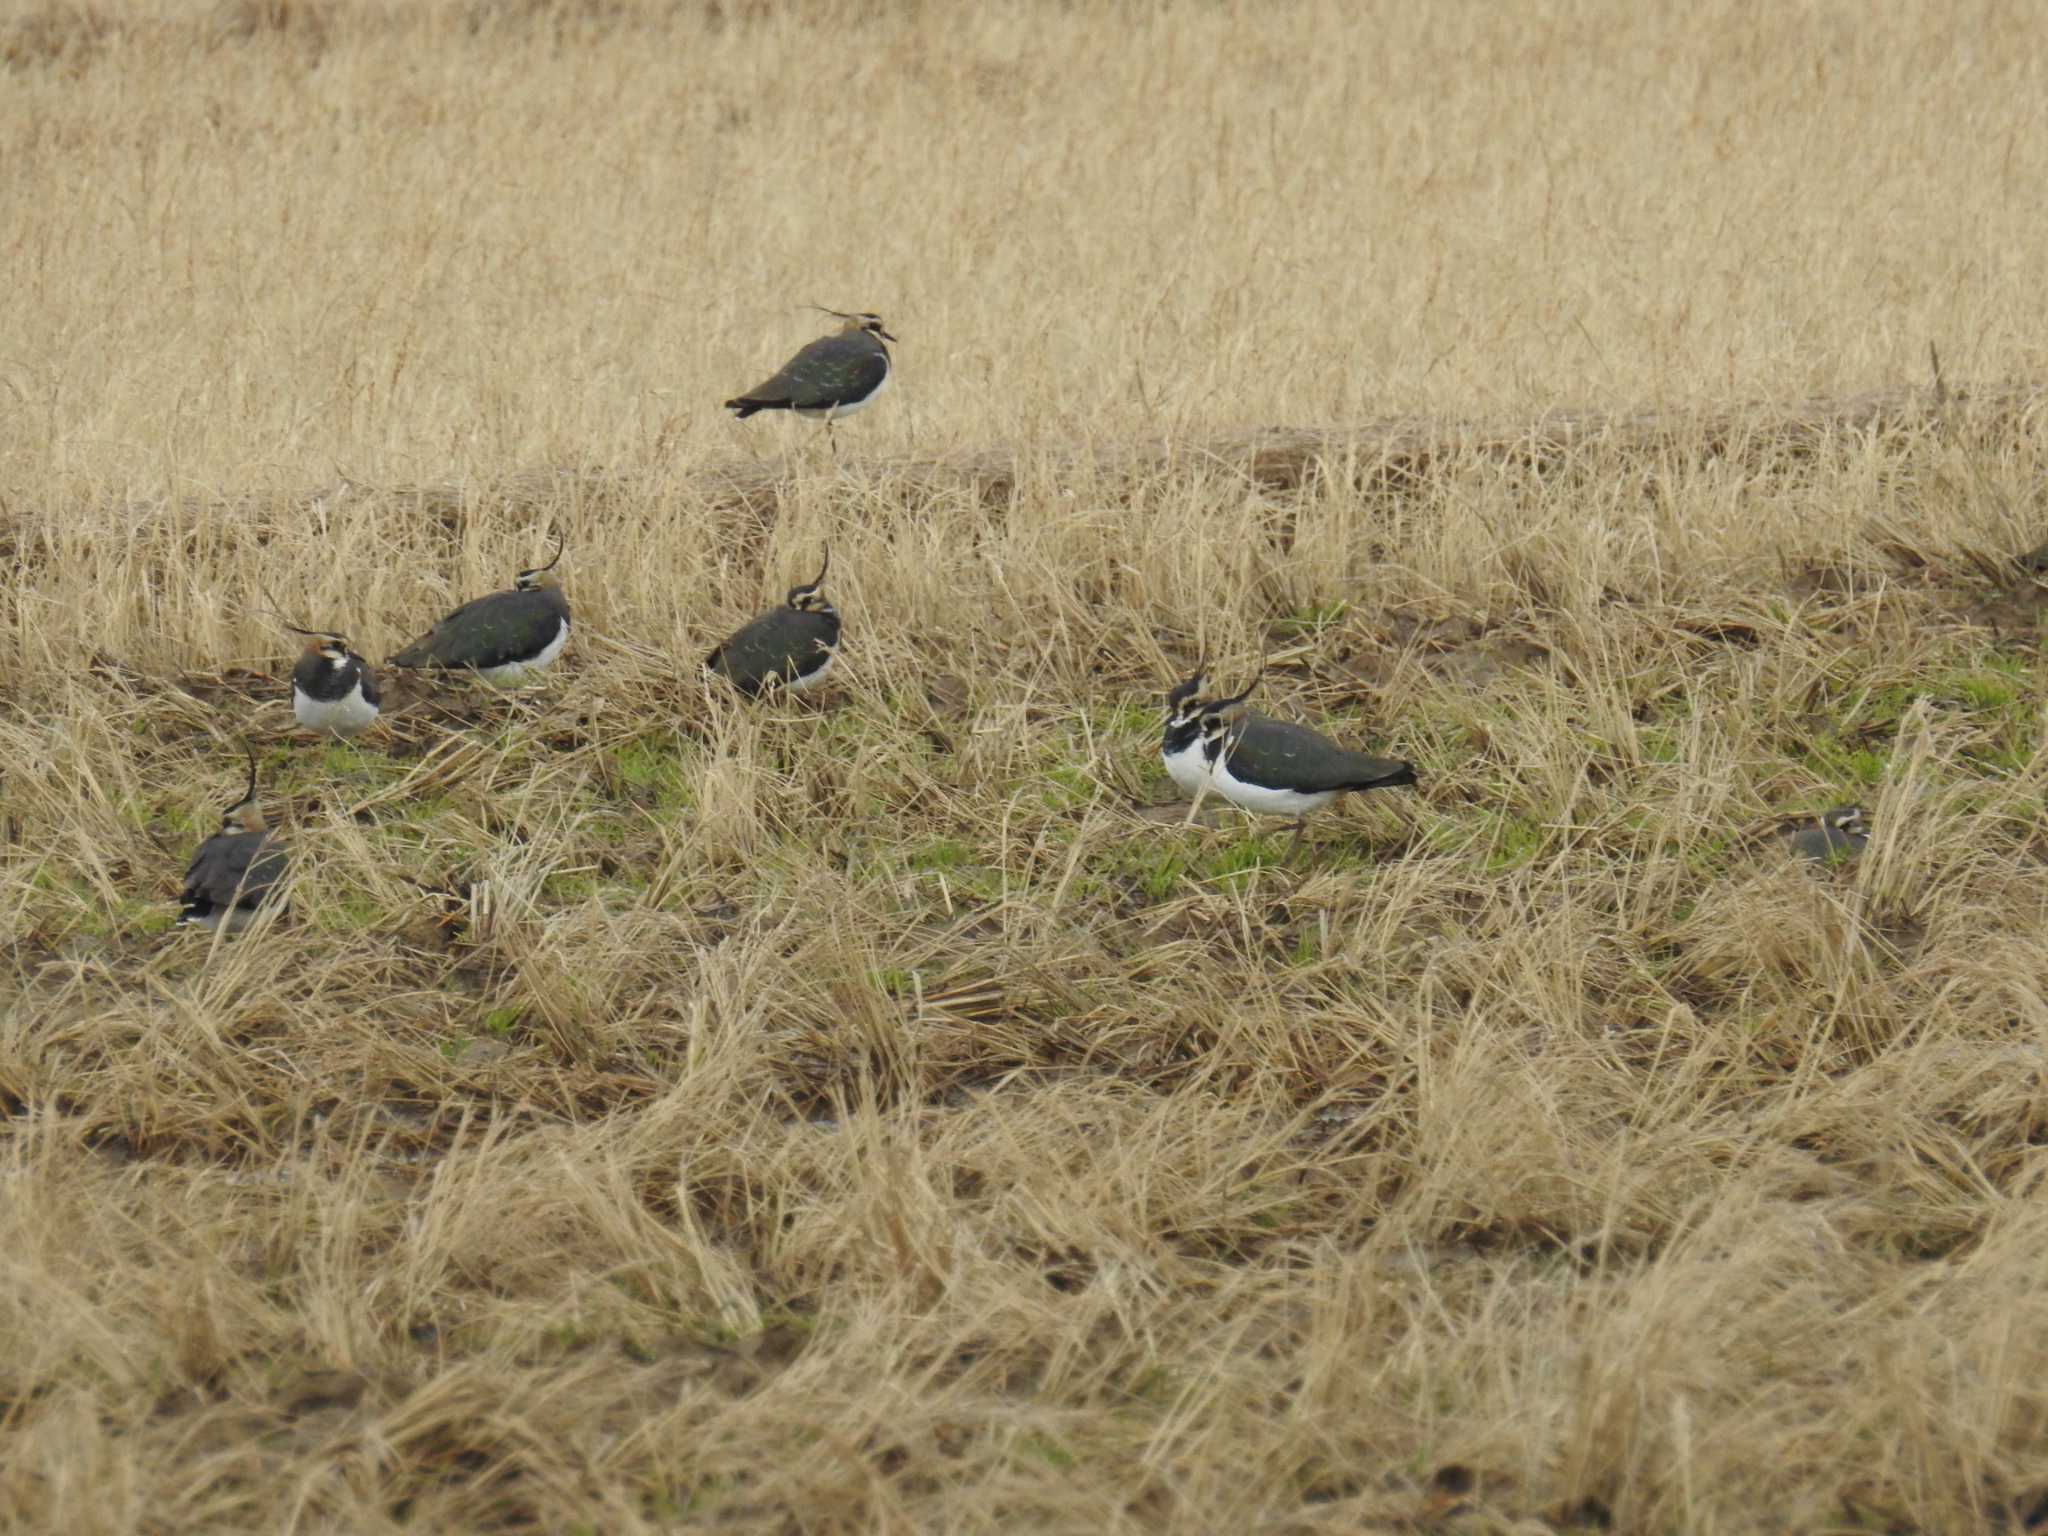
<point>832,377</point>
<point>1261,764</point>
<point>1833,837</point>
<point>237,870</point>
<point>791,646</point>
<point>333,689</point>
<point>504,638</point>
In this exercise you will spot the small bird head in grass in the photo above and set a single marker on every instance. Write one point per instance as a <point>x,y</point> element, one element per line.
<point>543,575</point>
<point>864,320</point>
<point>809,596</point>
<point>243,813</point>
<point>1184,700</point>
<point>1221,718</point>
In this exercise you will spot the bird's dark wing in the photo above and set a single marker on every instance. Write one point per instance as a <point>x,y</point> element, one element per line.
<point>1283,755</point>
<point>233,868</point>
<point>780,644</point>
<point>1825,843</point>
<point>828,372</point>
<point>490,631</point>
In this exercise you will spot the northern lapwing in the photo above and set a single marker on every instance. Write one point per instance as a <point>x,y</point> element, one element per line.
<point>504,638</point>
<point>791,647</point>
<point>235,871</point>
<point>1273,766</point>
<point>333,689</point>
<point>1833,837</point>
<point>832,377</point>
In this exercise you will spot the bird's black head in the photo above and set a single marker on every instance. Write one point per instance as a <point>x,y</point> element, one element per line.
<point>324,643</point>
<point>1848,821</point>
<point>866,320</point>
<point>243,815</point>
<point>1219,723</point>
<point>807,598</point>
<point>329,645</point>
<point>1221,717</point>
<point>1184,700</point>
<point>529,581</point>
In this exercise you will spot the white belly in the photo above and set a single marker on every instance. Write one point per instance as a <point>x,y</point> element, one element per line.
<point>1274,802</point>
<point>1186,768</point>
<point>806,683</point>
<point>235,919</point>
<point>346,716</point>
<point>513,673</point>
<point>848,407</point>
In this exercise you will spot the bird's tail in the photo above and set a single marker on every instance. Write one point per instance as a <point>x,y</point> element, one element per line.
<point>1386,774</point>
<point>743,407</point>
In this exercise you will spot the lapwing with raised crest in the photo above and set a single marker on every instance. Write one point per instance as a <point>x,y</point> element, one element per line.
<point>790,647</point>
<point>1270,766</point>
<point>238,870</point>
<point>829,378</point>
<point>504,638</point>
<point>333,689</point>
<point>1834,837</point>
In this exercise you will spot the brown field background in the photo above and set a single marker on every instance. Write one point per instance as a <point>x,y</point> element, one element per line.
<point>657,1113</point>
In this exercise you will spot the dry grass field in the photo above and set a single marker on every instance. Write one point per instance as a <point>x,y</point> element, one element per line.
<point>883,1114</point>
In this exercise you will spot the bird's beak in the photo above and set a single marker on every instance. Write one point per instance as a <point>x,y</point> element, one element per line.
<point>887,337</point>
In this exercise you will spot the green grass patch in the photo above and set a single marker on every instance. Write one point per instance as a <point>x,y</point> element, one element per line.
<point>1311,620</point>
<point>655,765</point>
<point>1067,787</point>
<point>943,853</point>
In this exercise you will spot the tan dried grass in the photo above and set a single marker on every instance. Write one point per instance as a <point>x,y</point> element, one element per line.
<point>657,1112</point>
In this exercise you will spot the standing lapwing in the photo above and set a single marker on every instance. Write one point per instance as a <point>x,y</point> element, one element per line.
<point>333,689</point>
<point>832,377</point>
<point>792,646</point>
<point>236,870</point>
<point>1258,763</point>
<point>503,638</point>
<point>1833,837</point>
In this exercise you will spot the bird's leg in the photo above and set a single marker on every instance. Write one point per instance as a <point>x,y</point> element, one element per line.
<point>1294,842</point>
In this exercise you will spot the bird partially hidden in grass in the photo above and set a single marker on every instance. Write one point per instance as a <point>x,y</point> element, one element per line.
<point>504,638</point>
<point>790,647</point>
<point>829,378</point>
<point>1834,837</point>
<point>1271,766</point>
<point>333,689</point>
<point>236,871</point>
